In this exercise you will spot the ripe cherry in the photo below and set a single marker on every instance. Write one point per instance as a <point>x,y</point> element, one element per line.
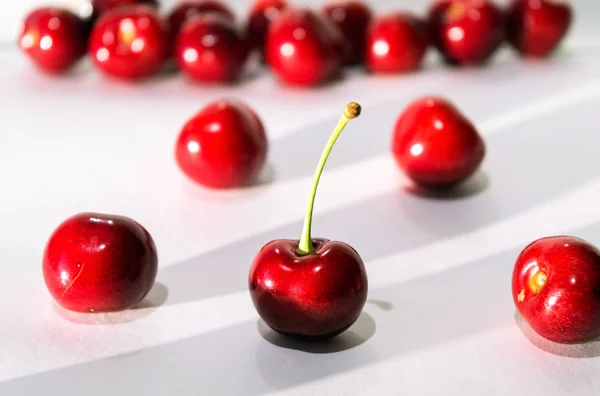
<point>396,42</point>
<point>310,288</point>
<point>352,18</point>
<point>223,146</point>
<point>99,263</point>
<point>53,38</point>
<point>211,48</point>
<point>188,9</point>
<point>556,288</point>
<point>262,14</point>
<point>435,145</point>
<point>466,31</point>
<point>301,49</point>
<point>129,42</point>
<point>536,27</point>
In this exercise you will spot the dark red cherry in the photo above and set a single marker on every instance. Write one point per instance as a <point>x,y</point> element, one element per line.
<point>53,38</point>
<point>352,18</point>
<point>556,288</point>
<point>435,144</point>
<point>536,27</point>
<point>129,42</point>
<point>310,288</point>
<point>396,43</point>
<point>262,14</point>
<point>340,45</point>
<point>187,9</point>
<point>315,296</point>
<point>223,146</point>
<point>466,31</point>
<point>99,263</point>
<point>211,48</point>
<point>300,48</point>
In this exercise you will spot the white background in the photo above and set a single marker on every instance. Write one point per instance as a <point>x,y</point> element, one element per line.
<point>440,318</point>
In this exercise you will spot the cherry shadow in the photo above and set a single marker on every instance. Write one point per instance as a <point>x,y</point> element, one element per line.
<point>474,185</point>
<point>359,333</point>
<point>578,351</point>
<point>265,178</point>
<point>157,296</point>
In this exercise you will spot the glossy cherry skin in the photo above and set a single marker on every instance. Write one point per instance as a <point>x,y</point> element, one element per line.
<point>189,9</point>
<point>211,48</point>
<point>99,263</point>
<point>466,31</point>
<point>301,49</point>
<point>101,6</point>
<point>556,288</point>
<point>396,43</point>
<point>223,146</point>
<point>53,38</point>
<point>129,42</point>
<point>352,18</point>
<point>435,145</point>
<point>262,14</point>
<point>317,296</point>
<point>536,27</point>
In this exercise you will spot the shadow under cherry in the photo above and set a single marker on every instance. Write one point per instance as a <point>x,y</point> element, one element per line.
<point>579,351</point>
<point>359,333</point>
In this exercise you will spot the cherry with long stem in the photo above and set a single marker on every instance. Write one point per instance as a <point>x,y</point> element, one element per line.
<point>305,247</point>
<point>312,289</point>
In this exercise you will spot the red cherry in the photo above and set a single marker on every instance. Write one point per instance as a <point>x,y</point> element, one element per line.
<point>99,263</point>
<point>53,38</point>
<point>556,288</point>
<point>466,31</point>
<point>262,14</point>
<point>536,27</point>
<point>129,42</point>
<point>340,45</point>
<point>435,145</point>
<point>101,6</point>
<point>310,288</point>
<point>395,43</point>
<point>352,18</point>
<point>300,48</point>
<point>222,146</point>
<point>211,48</point>
<point>188,9</point>
<point>312,296</point>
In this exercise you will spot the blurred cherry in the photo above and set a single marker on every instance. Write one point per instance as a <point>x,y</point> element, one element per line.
<point>536,27</point>
<point>129,42</point>
<point>223,146</point>
<point>352,18</point>
<point>466,31</point>
<point>302,49</point>
<point>396,42</point>
<point>262,14</point>
<point>53,38</point>
<point>187,9</point>
<point>211,48</point>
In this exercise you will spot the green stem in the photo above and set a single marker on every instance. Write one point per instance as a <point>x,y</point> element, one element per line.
<point>305,246</point>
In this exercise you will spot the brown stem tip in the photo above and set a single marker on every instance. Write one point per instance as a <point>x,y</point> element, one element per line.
<point>352,110</point>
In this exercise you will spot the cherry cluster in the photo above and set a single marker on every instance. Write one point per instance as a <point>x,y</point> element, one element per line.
<point>130,39</point>
<point>310,288</point>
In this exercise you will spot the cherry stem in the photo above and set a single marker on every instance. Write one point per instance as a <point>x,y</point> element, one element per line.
<point>305,247</point>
